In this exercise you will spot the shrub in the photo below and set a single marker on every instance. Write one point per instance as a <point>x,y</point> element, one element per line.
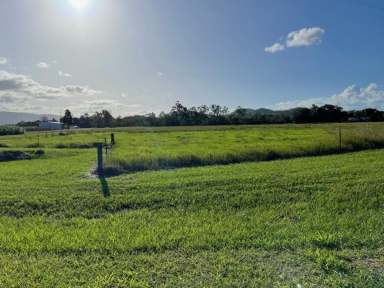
<point>10,130</point>
<point>39,152</point>
<point>13,156</point>
<point>35,145</point>
<point>75,146</point>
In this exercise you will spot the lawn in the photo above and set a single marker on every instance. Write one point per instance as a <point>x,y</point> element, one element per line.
<point>305,222</point>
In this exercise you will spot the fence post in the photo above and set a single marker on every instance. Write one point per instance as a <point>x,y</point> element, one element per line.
<point>340,139</point>
<point>113,139</point>
<point>100,158</point>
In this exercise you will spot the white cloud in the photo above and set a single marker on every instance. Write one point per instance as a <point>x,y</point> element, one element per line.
<point>3,60</point>
<point>79,90</point>
<point>112,105</point>
<point>18,84</point>
<point>23,93</point>
<point>352,97</point>
<point>7,99</point>
<point>20,92</point>
<point>160,74</point>
<point>305,37</point>
<point>299,38</point>
<point>275,48</point>
<point>360,97</point>
<point>63,74</point>
<point>42,65</point>
<point>299,103</point>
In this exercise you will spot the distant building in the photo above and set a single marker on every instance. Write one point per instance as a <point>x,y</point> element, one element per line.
<point>51,125</point>
<point>358,119</point>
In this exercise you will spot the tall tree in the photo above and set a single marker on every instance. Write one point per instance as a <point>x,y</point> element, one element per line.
<point>67,119</point>
<point>107,118</point>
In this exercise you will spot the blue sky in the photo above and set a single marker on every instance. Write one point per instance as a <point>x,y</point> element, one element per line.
<point>137,56</point>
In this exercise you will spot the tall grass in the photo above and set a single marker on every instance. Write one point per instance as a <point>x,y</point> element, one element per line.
<point>227,147</point>
<point>142,149</point>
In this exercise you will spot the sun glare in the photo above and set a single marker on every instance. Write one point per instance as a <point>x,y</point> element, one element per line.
<point>79,4</point>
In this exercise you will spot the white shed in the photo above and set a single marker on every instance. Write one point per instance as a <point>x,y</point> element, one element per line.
<point>51,125</point>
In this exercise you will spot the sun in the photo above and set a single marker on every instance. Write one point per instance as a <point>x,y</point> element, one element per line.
<point>79,4</point>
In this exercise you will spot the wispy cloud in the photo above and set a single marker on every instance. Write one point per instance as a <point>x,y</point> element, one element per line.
<point>300,38</point>
<point>42,65</point>
<point>277,47</point>
<point>352,97</point>
<point>3,60</point>
<point>111,105</point>
<point>64,74</point>
<point>79,90</point>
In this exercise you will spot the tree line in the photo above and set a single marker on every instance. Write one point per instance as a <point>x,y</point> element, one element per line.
<point>220,115</point>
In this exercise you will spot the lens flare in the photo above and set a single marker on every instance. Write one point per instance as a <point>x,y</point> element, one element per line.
<point>79,4</point>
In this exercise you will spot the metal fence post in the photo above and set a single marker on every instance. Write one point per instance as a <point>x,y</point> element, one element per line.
<point>100,158</point>
<point>113,139</point>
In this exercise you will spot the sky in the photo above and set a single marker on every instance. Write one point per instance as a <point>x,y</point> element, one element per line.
<point>141,56</point>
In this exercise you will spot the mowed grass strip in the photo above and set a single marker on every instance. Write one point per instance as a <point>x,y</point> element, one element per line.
<point>314,222</point>
<point>62,187</point>
<point>333,201</point>
<point>163,230</point>
<point>223,268</point>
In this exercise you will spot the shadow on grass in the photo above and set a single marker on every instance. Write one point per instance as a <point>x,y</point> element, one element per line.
<point>104,186</point>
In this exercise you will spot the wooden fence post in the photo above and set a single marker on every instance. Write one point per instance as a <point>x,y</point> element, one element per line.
<point>100,167</point>
<point>340,139</point>
<point>113,139</point>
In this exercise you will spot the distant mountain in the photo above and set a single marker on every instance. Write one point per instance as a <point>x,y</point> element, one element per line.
<point>16,117</point>
<point>265,111</point>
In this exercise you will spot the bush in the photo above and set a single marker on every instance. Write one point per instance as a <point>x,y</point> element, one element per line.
<point>39,152</point>
<point>75,146</point>
<point>13,156</point>
<point>10,130</point>
<point>35,145</point>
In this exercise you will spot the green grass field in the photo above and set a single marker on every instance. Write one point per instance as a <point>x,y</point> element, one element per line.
<point>140,149</point>
<point>305,222</point>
